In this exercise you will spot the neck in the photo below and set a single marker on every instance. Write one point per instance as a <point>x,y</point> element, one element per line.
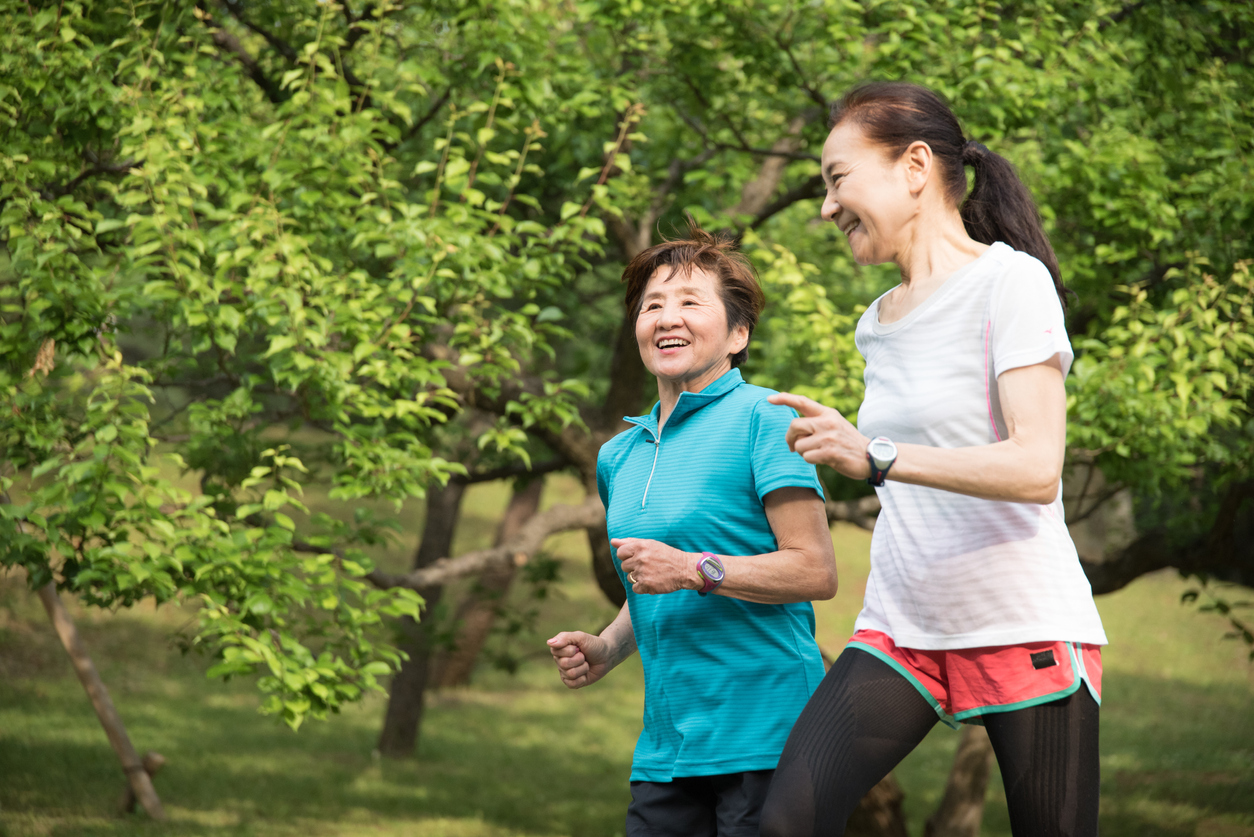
<point>669,389</point>
<point>934,248</point>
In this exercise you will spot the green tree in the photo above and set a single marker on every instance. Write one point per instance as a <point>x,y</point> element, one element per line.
<point>376,246</point>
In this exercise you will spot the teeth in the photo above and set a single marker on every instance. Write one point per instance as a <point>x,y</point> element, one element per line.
<point>672,343</point>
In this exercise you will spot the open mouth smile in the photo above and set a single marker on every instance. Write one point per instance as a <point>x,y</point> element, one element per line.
<point>671,343</point>
<point>850,226</point>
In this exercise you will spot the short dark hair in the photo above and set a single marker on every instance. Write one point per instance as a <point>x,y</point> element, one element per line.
<point>893,114</point>
<point>718,254</point>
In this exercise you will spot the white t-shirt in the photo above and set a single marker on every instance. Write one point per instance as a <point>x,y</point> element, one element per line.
<point>948,570</point>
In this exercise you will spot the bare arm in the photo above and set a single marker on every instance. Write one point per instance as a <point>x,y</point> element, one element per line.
<point>583,659</point>
<point>802,569</point>
<point>1023,468</point>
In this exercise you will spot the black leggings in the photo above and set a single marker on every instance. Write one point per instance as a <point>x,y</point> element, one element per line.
<point>865,718</point>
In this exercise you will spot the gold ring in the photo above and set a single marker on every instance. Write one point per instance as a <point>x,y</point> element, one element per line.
<point>631,576</point>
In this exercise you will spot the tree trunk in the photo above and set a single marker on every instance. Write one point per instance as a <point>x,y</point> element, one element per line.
<point>476,614</point>
<point>962,807</point>
<point>136,776</point>
<point>399,738</point>
<point>879,813</point>
<point>603,566</point>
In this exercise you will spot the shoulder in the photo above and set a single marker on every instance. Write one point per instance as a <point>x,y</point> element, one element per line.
<point>762,414</point>
<point>1022,285</point>
<point>616,447</point>
<point>1014,269</point>
<point>752,399</point>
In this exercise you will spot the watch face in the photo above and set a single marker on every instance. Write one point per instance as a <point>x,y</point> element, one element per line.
<point>712,569</point>
<point>882,451</point>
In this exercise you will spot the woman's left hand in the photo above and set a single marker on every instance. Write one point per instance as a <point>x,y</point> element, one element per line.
<point>823,436</point>
<point>654,567</point>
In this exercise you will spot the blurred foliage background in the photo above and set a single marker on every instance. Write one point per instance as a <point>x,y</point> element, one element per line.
<point>257,253</point>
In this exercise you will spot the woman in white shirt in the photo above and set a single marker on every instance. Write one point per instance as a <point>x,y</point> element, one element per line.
<point>976,608</point>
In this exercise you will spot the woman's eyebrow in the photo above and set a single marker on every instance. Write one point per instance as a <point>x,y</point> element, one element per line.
<point>686,289</point>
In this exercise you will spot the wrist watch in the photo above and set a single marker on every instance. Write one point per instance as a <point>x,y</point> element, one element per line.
<point>711,571</point>
<point>881,453</point>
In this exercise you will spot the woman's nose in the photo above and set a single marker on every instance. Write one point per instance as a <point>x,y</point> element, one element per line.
<point>670,316</point>
<point>830,208</point>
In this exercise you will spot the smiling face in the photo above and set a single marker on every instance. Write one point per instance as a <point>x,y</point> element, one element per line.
<point>682,329</point>
<point>870,196</point>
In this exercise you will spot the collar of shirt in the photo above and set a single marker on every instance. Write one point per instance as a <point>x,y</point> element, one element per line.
<point>688,403</point>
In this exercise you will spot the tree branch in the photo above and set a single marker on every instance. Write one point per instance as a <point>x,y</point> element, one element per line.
<point>861,512</point>
<point>807,190</point>
<point>226,41</point>
<point>429,115</point>
<point>517,550</point>
<point>815,96</point>
<point>756,193</point>
<point>508,471</point>
<point>1219,552</point>
<point>281,46</point>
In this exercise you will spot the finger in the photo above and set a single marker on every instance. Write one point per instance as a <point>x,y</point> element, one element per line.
<point>575,679</point>
<point>817,457</point>
<point>564,638</point>
<point>565,651</point>
<point>803,405</point>
<point>568,664</point>
<point>799,429</point>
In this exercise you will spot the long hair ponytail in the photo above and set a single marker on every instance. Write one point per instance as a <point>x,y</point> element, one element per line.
<point>999,208</point>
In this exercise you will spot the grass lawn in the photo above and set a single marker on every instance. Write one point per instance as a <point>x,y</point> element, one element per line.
<point>519,755</point>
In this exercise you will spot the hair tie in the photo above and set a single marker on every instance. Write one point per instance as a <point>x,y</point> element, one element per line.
<point>974,150</point>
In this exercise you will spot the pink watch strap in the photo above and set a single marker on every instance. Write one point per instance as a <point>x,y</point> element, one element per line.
<point>710,584</point>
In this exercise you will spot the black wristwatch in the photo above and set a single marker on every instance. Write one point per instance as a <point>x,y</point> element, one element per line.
<point>881,453</point>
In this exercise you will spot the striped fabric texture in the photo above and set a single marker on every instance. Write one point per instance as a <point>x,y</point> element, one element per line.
<point>947,570</point>
<point>724,679</point>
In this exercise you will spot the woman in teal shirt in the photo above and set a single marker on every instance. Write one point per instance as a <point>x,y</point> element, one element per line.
<point>721,539</point>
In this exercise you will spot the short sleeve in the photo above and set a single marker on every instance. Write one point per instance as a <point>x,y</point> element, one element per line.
<point>1026,322</point>
<point>774,465</point>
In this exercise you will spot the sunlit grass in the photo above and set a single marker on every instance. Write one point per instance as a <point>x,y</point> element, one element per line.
<point>520,755</point>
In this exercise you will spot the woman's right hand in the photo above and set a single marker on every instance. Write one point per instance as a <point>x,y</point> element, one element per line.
<point>582,659</point>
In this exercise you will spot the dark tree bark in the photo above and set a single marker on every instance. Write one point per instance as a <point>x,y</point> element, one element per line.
<point>1226,551</point>
<point>962,808</point>
<point>477,613</point>
<point>406,699</point>
<point>879,813</point>
<point>603,566</point>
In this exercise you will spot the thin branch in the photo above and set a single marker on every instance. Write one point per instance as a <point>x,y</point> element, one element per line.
<point>508,471</point>
<point>87,173</point>
<point>807,190</point>
<point>1097,504</point>
<point>517,550</point>
<point>281,46</point>
<point>768,152</point>
<point>227,42</point>
<point>429,115</point>
<point>815,96</point>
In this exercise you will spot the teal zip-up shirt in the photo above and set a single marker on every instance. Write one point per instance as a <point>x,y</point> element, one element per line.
<point>724,679</point>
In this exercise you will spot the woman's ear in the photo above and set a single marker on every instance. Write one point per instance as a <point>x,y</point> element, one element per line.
<point>917,161</point>
<point>739,339</point>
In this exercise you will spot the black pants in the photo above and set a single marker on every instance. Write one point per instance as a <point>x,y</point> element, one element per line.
<point>728,805</point>
<point>865,718</point>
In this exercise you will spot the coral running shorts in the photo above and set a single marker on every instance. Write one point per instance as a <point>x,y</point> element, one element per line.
<point>962,684</point>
